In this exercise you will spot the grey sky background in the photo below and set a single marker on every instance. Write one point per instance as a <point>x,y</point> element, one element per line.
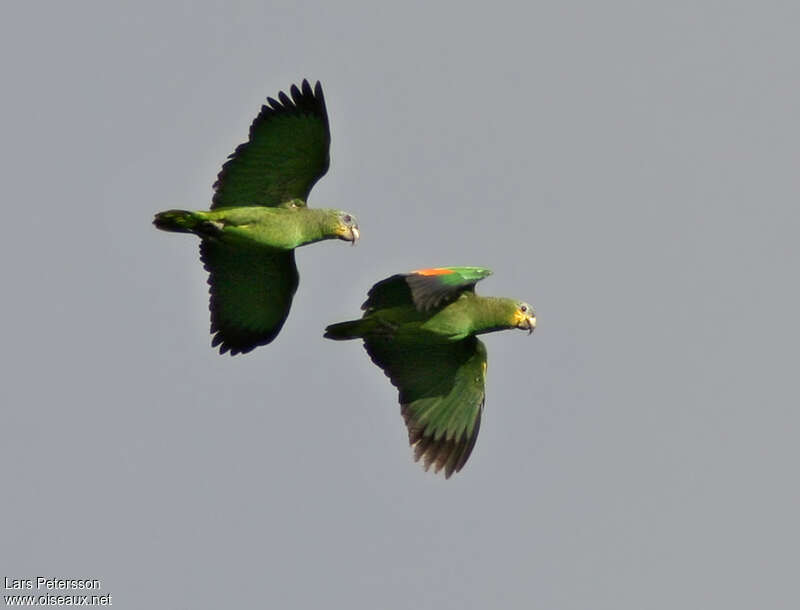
<point>631,169</point>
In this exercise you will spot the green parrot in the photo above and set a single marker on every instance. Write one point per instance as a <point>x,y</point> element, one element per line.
<point>259,216</point>
<point>420,328</point>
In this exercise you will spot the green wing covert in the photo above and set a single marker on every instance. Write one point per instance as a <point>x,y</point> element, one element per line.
<point>251,294</point>
<point>287,152</point>
<point>441,390</point>
<point>425,288</point>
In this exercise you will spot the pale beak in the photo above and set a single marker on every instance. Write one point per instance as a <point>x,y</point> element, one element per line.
<point>526,322</point>
<point>354,235</point>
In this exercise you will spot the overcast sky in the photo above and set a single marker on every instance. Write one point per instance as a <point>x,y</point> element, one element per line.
<point>629,168</point>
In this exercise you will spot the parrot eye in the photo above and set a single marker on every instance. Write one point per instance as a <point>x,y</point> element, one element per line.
<point>523,308</point>
<point>348,219</point>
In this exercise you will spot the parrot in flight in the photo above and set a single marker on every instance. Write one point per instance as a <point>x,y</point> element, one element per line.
<point>420,328</point>
<point>259,216</point>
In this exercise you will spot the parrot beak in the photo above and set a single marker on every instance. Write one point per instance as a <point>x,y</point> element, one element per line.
<point>348,233</point>
<point>526,321</point>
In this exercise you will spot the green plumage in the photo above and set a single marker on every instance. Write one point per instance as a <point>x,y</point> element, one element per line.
<point>421,328</point>
<point>259,216</point>
<point>426,288</point>
<point>285,155</point>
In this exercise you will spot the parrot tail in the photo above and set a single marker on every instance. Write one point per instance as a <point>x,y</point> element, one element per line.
<point>177,221</point>
<point>345,330</point>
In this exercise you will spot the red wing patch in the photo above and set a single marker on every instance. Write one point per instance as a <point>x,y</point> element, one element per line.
<point>434,271</point>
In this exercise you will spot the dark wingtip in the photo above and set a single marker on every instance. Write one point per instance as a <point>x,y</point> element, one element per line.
<point>234,346</point>
<point>448,455</point>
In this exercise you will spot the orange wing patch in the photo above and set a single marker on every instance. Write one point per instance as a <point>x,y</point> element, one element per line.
<point>434,271</point>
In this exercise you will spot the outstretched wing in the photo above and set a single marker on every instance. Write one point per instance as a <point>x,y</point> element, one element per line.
<point>441,390</point>
<point>425,288</point>
<point>288,151</point>
<point>251,293</point>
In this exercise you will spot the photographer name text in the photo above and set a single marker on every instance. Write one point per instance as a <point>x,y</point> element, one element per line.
<point>52,584</point>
